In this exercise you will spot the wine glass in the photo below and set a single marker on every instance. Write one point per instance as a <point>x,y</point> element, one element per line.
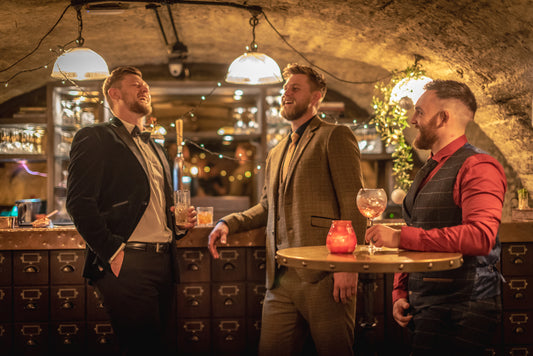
<point>371,204</point>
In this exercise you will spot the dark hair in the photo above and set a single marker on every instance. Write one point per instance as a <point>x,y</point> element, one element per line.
<point>317,80</point>
<point>450,89</point>
<point>115,77</point>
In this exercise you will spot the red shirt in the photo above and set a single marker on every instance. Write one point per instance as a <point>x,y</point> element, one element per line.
<point>479,191</point>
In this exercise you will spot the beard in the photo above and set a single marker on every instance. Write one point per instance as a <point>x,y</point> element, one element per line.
<point>140,108</point>
<point>295,112</point>
<point>427,135</point>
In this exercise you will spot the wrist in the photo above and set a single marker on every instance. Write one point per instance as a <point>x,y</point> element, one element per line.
<point>397,238</point>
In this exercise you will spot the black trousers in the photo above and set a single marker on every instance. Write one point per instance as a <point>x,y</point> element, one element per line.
<point>140,302</point>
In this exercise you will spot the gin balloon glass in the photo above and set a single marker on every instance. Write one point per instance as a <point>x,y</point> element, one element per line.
<point>371,204</point>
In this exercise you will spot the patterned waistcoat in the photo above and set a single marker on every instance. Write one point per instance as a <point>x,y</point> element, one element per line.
<point>434,207</point>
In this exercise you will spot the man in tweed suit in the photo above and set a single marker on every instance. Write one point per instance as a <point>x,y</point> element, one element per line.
<point>300,198</point>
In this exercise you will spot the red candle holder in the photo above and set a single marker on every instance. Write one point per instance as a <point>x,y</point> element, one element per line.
<point>341,237</point>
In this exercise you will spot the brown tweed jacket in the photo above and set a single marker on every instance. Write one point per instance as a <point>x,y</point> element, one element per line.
<point>321,185</point>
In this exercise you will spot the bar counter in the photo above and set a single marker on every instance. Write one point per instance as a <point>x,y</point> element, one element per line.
<point>66,237</point>
<point>42,294</point>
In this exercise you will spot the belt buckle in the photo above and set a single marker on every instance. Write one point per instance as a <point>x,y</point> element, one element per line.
<point>159,247</point>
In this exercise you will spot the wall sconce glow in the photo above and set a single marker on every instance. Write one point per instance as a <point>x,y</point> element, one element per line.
<point>408,88</point>
<point>80,64</point>
<point>254,68</point>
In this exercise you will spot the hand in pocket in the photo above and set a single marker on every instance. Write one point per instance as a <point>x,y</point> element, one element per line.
<point>116,264</point>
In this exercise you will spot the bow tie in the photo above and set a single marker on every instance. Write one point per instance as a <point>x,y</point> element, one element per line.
<point>145,135</point>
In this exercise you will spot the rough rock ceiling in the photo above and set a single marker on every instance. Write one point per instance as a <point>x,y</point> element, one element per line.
<point>487,44</point>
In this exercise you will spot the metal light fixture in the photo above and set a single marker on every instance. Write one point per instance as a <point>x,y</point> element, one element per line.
<point>253,67</point>
<point>80,63</point>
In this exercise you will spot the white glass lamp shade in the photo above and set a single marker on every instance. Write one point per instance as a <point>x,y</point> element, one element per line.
<point>254,68</point>
<point>80,64</point>
<point>410,88</point>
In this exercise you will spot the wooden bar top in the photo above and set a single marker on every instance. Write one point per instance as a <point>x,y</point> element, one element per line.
<point>66,237</point>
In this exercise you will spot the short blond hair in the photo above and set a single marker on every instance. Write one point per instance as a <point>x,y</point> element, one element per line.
<point>115,77</point>
<point>317,80</point>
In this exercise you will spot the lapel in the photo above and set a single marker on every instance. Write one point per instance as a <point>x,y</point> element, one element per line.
<point>302,144</point>
<point>120,130</point>
<point>276,159</point>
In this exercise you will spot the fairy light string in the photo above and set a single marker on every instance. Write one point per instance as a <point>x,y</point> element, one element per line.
<point>191,114</point>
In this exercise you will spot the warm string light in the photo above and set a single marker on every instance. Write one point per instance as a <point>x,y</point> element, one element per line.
<point>202,147</point>
<point>189,114</point>
<point>6,82</point>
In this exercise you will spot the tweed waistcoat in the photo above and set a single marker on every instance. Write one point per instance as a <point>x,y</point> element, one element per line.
<point>434,207</point>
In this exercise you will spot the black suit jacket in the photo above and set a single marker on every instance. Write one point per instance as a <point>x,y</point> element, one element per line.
<point>108,190</point>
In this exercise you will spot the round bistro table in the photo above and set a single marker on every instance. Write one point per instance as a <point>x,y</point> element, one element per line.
<point>384,260</point>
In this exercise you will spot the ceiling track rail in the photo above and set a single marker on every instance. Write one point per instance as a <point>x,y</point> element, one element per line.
<point>253,9</point>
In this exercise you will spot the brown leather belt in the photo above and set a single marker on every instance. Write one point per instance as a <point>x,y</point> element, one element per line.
<point>157,247</point>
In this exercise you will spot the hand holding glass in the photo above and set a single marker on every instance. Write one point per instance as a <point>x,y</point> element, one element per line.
<point>371,204</point>
<point>182,201</point>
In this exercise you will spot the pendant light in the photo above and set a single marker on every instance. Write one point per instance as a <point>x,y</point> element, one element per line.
<point>408,88</point>
<point>80,63</point>
<point>254,68</point>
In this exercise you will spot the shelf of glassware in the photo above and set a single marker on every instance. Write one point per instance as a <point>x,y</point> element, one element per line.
<point>22,140</point>
<point>72,107</point>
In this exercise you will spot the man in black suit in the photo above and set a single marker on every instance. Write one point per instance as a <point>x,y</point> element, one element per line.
<point>120,198</point>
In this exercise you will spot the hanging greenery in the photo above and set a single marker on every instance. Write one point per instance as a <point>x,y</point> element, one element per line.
<point>391,119</point>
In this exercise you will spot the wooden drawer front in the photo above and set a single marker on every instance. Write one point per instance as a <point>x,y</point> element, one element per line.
<point>194,336</point>
<point>30,338</point>
<point>6,338</point>
<point>518,327</point>
<point>376,292</point>
<point>6,304</point>
<point>253,331</point>
<point>229,336</point>
<point>67,302</point>
<point>228,299</point>
<point>255,294</point>
<point>519,350</point>
<point>100,338</point>
<point>31,303</point>
<point>194,265</point>
<point>517,258</point>
<point>194,300</point>
<point>30,268</point>
<point>66,267</point>
<point>378,328</point>
<point>68,338</point>
<point>231,266</point>
<point>518,292</point>
<point>256,264</point>
<point>6,270</point>
<point>95,308</point>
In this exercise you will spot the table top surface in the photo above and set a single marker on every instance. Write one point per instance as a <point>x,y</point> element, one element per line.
<point>386,260</point>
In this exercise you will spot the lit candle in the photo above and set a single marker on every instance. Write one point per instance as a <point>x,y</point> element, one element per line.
<point>341,237</point>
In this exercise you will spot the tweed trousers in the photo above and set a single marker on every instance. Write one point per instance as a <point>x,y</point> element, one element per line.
<point>293,309</point>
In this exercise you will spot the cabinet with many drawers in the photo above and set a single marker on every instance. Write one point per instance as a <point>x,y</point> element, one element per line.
<point>517,296</point>
<point>47,308</point>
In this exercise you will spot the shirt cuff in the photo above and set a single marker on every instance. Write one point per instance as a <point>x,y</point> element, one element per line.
<point>120,248</point>
<point>397,294</point>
